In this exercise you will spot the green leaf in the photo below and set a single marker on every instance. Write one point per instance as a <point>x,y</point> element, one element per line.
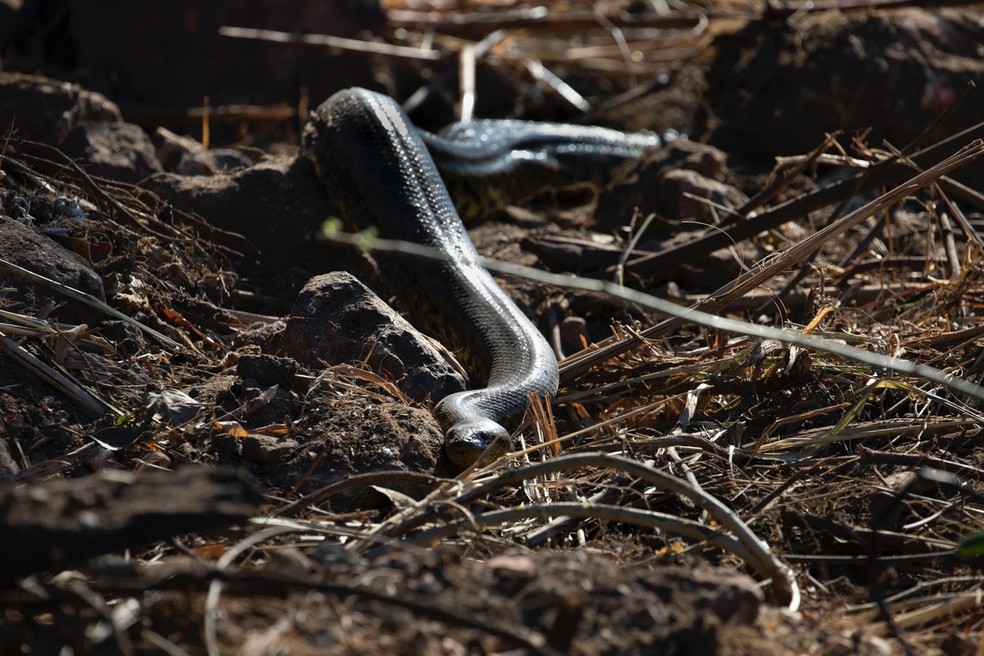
<point>972,545</point>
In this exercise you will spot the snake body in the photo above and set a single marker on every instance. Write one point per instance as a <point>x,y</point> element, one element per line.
<point>492,163</point>
<point>377,168</point>
<point>375,164</point>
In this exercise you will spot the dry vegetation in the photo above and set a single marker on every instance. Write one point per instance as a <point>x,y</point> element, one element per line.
<point>813,424</point>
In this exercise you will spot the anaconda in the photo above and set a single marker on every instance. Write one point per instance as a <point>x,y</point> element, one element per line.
<point>377,169</point>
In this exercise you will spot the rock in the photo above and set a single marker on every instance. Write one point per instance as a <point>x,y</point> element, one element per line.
<point>706,160</point>
<point>359,437</point>
<point>128,340</point>
<point>118,151</point>
<point>894,72</point>
<point>8,466</point>
<point>26,248</point>
<point>321,433</point>
<point>172,148</point>
<point>268,450</point>
<point>336,319</point>
<point>265,337</point>
<point>266,370</point>
<point>681,192</point>
<point>181,154</point>
<point>657,184</point>
<point>229,159</point>
<point>114,510</point>
<point>210,162</point>
<point>45,110</point>
<point>276,205</point>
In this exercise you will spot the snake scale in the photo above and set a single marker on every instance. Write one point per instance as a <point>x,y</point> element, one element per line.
<point>378,170</point>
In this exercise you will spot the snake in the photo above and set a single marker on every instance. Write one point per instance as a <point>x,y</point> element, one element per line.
<point>381,171</point>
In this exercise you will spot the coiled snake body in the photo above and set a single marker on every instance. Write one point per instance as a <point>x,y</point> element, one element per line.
<point>377,169</point>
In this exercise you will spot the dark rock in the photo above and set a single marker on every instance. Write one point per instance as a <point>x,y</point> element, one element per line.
<point>268,450</point>
<point>181,154</point>
<point>229,159</point>
<point>39,254</point>
<point>46,110</point>
<point>336,319</point>
<point>8,466</point>
<point>267,369</point>
<point>172,148</point>
<point>706,160</point>
<point>112,511</point>
<point>682,192</point>
<point>656,184</point>
<point>359,437</point>
<point>210,162</point>
<point>267,337</point>
<point>276,205</point>
<point>118,151</point>
<point>127,339</point>
<point>894,72</point>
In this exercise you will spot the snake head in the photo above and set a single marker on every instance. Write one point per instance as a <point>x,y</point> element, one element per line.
<point>472,440</point>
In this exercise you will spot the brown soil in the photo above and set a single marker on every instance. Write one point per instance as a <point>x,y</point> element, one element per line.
<point>195,489</point>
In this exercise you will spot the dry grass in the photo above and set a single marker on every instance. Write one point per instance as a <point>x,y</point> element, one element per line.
<point>837,458</point>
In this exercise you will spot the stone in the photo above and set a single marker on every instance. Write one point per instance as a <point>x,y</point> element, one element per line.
<point>46,110</point>
<point>895,73</point>
<point>117,151</point>
<point>182,154</point>
<point>681,193</point>
<point>172,148</point>
<point>336,319</point>
<point>276,205</point>
<point>39,254</point>
<point>656,183</point>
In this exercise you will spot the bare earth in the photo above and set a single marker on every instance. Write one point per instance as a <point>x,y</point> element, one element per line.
<point>184,470</point>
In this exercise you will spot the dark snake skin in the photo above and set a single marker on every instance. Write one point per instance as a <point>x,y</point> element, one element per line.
<point>376,167</point>
<point>399,191</point>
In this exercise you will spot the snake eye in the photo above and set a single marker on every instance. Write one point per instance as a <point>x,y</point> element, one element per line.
<point>467,441</point>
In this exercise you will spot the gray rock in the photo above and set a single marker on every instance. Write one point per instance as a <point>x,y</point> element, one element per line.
<point>658,182</point>
<point>118,151</point>
<point>181,154</point>
<point>46,110</point>
<point>8,466</point>
<point>229,159</point>
<point>336,319</point>
<point>276,205</point>
<point>26,248</point>
<point>682,192</point>
<point>267,450</point>
<point>172,148</point>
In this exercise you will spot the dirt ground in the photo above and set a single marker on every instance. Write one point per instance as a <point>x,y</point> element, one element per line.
<point>186,467</point>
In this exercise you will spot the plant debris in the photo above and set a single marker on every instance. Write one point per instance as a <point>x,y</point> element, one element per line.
<point>791,465</point>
